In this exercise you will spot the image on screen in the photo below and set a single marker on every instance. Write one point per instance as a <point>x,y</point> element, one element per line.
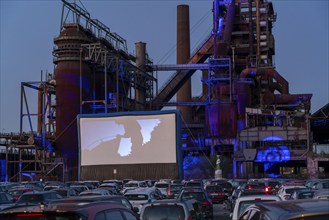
<point>128,139</point>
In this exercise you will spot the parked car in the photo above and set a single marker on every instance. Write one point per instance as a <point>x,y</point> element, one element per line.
<point>6,200</point>
<point>71,211</point>
<point>43,197</point>
<point>225,184</point>
<point>175,189</point>
<point>321,184</point>
<point>164,187</point>
<point>16,192</point>
<point>285,191</point>
<point>242,203</point>
<point>113,198</point>
<point>321,194</point>
<point>301,193</point>
<point>171,209</point>
<point>133,184</point>
<point>194,183</point>
<point>201,196</point>
<point>79,188</point>
<point>138,197</point>
<point>95,192</point>
<point>303,209</point>
<point>66,192</point>
<point>237,182</point>
<point>216,193</point>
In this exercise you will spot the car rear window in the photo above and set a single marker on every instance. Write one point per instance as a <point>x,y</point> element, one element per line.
<point>214,189</point>
<point>243,205</point>
<point>31,199</point>
<point>162,185</point>
<point>290,191</point>
<point>200,196</point>
<point>136,197</point>
<point>176,187</point>
<point>168,212</point>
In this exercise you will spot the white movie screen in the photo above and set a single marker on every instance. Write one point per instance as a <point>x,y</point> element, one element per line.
<point>129,139</point>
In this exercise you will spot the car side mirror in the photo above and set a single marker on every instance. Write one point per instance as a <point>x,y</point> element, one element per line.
<point>135,209</point>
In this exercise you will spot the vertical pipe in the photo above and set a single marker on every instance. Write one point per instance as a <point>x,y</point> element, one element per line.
<point>251,34</point>
<point>257,28</point>
<point>183,55</point>
<point>117,85</point>
<point>80,80</point>
<point>105,86</point>
<point>140,63</point>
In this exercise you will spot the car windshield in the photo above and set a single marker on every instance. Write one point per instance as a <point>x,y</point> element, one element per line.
<point>164,212</point>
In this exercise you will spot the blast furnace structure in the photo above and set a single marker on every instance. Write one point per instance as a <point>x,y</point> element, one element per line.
<point>245,117</point>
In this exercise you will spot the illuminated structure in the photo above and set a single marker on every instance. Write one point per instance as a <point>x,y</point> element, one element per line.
<point>246,115</point>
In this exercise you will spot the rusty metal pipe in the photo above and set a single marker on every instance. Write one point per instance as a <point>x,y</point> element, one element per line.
<point>268,72</point>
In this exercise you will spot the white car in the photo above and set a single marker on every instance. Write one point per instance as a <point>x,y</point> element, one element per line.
<point>164,187</point>
<point>139,196</point>
<point>133,184</point>
<point>243,202</point>
<point>285,191</point>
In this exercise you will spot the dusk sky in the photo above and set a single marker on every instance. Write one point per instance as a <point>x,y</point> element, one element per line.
<point>28,29</point>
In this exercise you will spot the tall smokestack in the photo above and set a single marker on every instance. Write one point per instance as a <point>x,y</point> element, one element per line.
<point>183,55</point>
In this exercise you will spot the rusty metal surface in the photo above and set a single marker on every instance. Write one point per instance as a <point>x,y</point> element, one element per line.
<point>221,120</point>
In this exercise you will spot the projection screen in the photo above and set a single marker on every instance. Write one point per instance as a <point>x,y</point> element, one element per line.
<point>128,138</point>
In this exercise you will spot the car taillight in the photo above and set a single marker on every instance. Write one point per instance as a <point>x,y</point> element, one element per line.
<point>189,218</point>
<point>206,203</point>
<point>168,192</point>
<point>29,214</point>
<point>249,187</point>
<point>267,189</point>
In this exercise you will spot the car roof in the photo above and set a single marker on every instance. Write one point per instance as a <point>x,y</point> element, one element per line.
<point>143,191</point>
<point>294,208</point>
<point>258,196</point>
<point>39,192</point>
<point>65,207</point>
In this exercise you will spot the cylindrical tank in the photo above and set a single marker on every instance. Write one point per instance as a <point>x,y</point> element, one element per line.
<point>242,92</point>
<point>70,73</point>
<point>184,94</point>
<point>221,120</point>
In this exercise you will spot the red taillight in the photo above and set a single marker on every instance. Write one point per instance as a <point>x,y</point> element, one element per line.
<point>29,214</point>
<point>249,187</point>
<point>267,189</point>
<point>206,203</point>
<point>189,218</point>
